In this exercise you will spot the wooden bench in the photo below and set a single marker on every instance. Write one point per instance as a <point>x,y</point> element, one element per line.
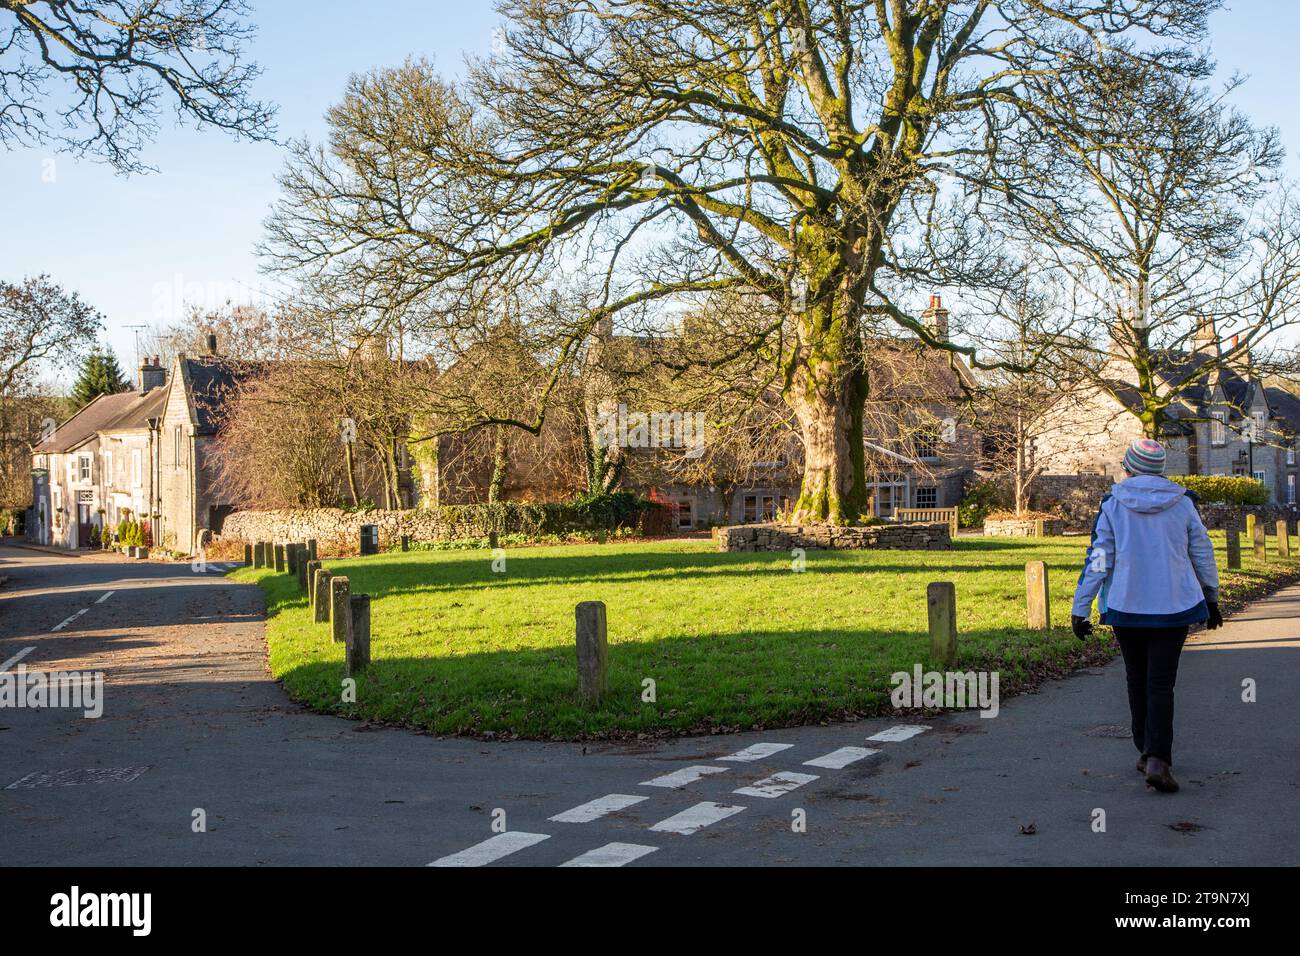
<point>946,516</point>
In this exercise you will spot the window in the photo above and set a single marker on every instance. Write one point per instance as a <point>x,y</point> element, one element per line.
<point>759,507</point>
<point>136,476</point>
<point>927,445</point>
<point>1218,430</point>
<point>1290,489</point>
<point>83,468</point>
<point>176,446</point>
<point>1259,476</point>
<point>1290,452</point>
<point>108,468</point>
<point>684,514</point>
<point>927,497</point>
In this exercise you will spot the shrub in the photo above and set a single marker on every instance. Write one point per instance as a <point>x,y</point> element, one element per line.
<point>982,498</point>
<point>1239,490</point>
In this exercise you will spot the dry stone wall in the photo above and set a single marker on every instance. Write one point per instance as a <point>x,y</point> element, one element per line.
<point>778,537</point>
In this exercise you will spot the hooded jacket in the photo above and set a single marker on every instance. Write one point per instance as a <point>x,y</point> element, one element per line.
<point>1150,563</point>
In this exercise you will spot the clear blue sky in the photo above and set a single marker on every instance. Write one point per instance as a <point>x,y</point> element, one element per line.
<point>126,243</point>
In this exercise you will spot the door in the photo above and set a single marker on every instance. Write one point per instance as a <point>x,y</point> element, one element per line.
<point>83,525</point>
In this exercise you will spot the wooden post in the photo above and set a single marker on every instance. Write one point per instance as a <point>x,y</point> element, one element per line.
<point>1283,539</point>
<point>1038,528</point>
<point>320,595</point>
<point>1234,546</point>
<point>279,559</point>
<point>492,540</point>
<point>357,655</point>
<point>406,542</point>
<point>1039,598</point>
<point>309,580</point>
<point>311,549</point>
<point>304,570</point>
<point>291,558</point>
<point>340,609</point>
<point>248,555</point>
<point>941,599</point>
<point>1250,527</point>
<point>1261,551</point>
<point>259,554</point>
<point>593,651</point>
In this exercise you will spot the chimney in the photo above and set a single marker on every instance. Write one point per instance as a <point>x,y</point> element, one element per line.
<point>152,374</point>
<point>1204,338</point>
<point>935,318</point>
<point>212,343</point>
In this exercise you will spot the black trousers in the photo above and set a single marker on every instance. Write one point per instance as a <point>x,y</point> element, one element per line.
<point>1151,666</point>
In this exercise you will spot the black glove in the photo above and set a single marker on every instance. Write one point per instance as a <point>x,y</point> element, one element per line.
<point>1216,619</point>
<point>1081,626</point>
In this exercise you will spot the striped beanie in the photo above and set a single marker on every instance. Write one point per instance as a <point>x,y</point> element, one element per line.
<point>1145,456</point>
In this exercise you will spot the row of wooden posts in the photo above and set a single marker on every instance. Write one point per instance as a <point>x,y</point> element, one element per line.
<point>941,596</point>
<point>329,595</point>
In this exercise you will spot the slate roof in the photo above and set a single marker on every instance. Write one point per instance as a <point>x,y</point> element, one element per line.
<point>86,422</point>
<point>212,379</point>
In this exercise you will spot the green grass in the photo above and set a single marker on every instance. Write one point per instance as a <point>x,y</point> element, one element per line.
<point>732,641</point>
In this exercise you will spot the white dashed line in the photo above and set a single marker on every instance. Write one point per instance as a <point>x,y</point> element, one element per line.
<point>777,785</point>
<point>680,778</point>
<point>899,732</point>
<point>106,596</point>
<point>696,818</point>
<point>839,759</point>
<point>611,854</point>
<point>492,849</point>
<point>595,809</point>
<point>16,658</point>
<point>62,624</point>
<point>756,752</point>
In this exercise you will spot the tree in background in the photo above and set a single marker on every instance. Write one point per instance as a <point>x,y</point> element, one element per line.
<point>93,77</point>
<point>100,375</point>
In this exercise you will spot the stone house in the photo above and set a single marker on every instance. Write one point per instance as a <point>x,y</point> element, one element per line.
<point>1225,421</point>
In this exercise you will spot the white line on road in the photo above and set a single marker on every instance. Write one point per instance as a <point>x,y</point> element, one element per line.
<point>695,818</point>
<point>611,854</point>
<point>756,752</point>
<point>839,759</point>
<point>595,809</point>
<point>680,778</point>
<point>16,658</point>
<point>62,624</point>
<point>492,849</point>
<point>105,597</point>
<point>777,785</point>
<point>899,732</point>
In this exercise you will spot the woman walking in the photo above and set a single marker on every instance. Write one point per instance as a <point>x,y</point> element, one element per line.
<point>1151,568</point>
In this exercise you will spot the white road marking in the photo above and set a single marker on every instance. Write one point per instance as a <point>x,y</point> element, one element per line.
<point>16,658</point>
<point>611,854</point>
<point>839,759</point>
<point>492,849</point>
<point>899,732</point>
<point>777,785</point>
<point>680,778</point>
<point>695,818</point>
<point>595,809</point>
<point>756,752</point>
<point>62,624</point>
<point>106,596</point>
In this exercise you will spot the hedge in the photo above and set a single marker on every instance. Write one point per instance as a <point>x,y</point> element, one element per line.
<point>1210,489</point>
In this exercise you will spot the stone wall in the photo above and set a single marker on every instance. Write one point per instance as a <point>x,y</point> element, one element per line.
<point>1021,527</point>
<point>1217,516</point>
<point>776,537</point>
<point>1077,497</point>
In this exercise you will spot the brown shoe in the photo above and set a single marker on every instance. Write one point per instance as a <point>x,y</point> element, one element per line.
<point>1160,776</point>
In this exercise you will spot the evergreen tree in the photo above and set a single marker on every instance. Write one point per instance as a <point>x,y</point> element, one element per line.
<point>100,375</point>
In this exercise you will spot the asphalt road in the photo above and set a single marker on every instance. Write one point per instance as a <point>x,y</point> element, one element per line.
<point>192,722</point>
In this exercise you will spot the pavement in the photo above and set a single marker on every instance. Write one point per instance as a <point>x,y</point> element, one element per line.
<point>194,730</point>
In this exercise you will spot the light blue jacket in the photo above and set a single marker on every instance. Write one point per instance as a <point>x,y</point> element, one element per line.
<point>1150,563</point>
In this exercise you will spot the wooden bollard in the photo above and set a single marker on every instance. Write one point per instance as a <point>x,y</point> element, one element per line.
<point>941,600</point>
<point>279,559</point>
<point>1261,551</point>
<point>308,581</point>
<point>593,651</point>
<point>406,542</point>
<point>1283,539</point>
<point>1039,598</point>
<point>248,555</point>
<point>259,554</point>
<point>320,595</point>
<point>1039,528</point>
<point>340,609</point>
<point>493,540</point>
<point>357,655</point>
<point>1234,546</point>
<point>311,550</point>
<point>304,571</point>
<point>291,558</point>
<point>1250,527</point>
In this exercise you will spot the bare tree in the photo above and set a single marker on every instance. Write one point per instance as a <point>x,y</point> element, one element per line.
<point>93,77</point>
<point>663,149</point>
